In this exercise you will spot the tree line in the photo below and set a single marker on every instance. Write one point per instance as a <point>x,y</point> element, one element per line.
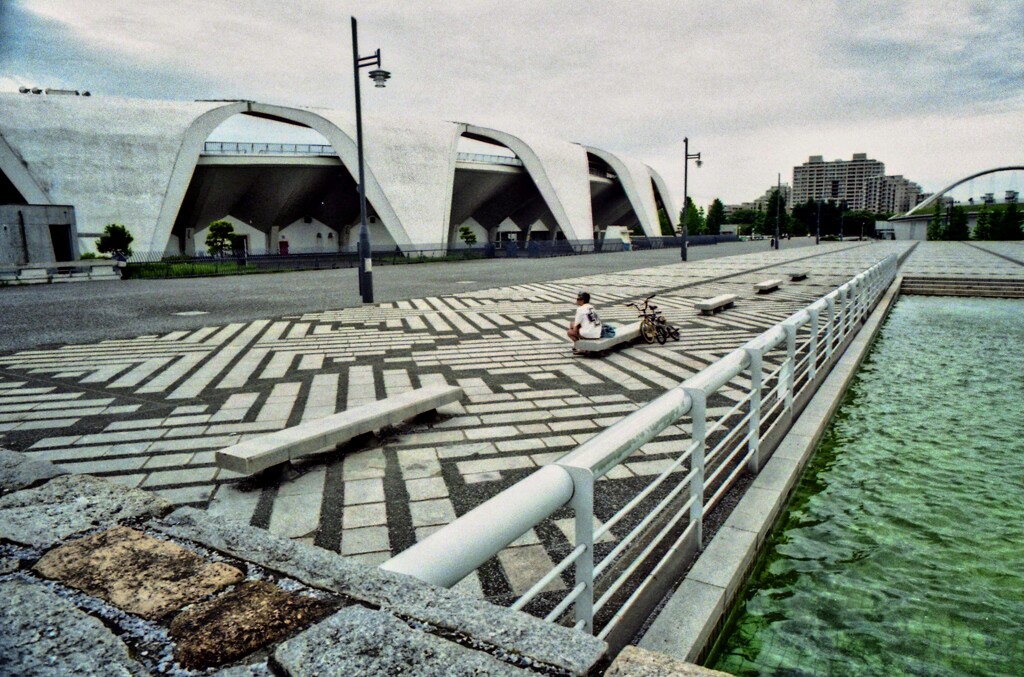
<point>999,222</point>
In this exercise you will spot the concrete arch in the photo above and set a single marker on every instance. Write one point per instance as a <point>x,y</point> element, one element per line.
<point>559,170</point>
<point>635,179</point>
<point>14,169</point>
<point>938,194</point>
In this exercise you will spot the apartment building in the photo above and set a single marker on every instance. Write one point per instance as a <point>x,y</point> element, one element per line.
<point>836,180</point>
<point>891,194</point>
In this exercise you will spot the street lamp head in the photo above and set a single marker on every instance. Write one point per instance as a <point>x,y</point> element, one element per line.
<point>379,77</point>
<point>699,162</point>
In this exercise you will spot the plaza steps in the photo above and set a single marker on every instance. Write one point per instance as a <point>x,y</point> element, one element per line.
<point>983,288</point>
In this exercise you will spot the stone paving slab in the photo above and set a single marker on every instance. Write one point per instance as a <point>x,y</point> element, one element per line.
<point>358,641</point>
<point>135,572</point>
<point>64,640</point>
<point>248,618</point>
<point>450,610</point>
<point>70,505</point>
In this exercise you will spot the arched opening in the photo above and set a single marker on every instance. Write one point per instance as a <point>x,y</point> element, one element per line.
<point>276,182</point>
<point>662,208</point>
<point>494,197</point>
<point>609,203</point>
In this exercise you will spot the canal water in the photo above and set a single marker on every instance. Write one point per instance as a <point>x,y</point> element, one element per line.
<point>902,551</point>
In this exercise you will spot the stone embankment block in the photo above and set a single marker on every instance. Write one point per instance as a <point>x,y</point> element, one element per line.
<point>43,634</point>
<point>482,623</point>
<point>18,471</point>
<point>97,578</point>
<point>636,662</point>
<point>70,505</point>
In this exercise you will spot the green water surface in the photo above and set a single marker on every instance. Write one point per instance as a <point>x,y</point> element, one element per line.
<point>902,552</point>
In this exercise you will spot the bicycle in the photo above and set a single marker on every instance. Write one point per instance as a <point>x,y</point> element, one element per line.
<point>653,325</point>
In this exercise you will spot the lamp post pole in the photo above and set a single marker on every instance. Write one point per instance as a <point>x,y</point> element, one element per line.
<point>379,77</point>
<point>817,225</point>
<point>687,156</point>
<point>778,210</point>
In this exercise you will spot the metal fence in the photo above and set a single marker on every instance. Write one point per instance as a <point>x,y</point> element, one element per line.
<point>249,148</point>
<point>158,264</point>
<point>664,520</point>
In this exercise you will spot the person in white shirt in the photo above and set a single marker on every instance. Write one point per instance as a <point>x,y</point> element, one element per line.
<point>586,324</point>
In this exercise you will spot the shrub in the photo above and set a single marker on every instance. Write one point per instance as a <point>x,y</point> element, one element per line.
<point>115,240</point>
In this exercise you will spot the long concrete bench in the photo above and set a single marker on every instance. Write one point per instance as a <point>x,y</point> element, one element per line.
<point>324,434</point>
<point>798,275</point>
<point>767,286</point>
<point>61,271</point>
<point>709,306</point>
<point>623,334</point>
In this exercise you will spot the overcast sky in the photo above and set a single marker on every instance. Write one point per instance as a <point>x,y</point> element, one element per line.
<point>933,89</point>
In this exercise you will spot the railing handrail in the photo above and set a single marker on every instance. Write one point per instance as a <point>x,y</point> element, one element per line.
<point>452,553</point>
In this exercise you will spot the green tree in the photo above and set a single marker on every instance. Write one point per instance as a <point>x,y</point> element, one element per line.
<point>937,224</point>
<point>742,217</point>
<point>467,235</point>
<point>666,225</point>
<point>957,228</point>
<point>1006,224</point>
<point>694,219</point>
<point>776,209</point>
<point>115,240</point>
<point>983,228</point>
<point>716,217</point>
<point>218,239</point>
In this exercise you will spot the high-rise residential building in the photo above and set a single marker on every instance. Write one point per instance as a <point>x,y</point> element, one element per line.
<point>836,180</point>
<point>891,194</point>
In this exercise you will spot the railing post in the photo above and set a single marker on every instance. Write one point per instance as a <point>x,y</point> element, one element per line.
<point>583,508</point>
<point>698,416</point>
<point>812,360</point>
<point>786,375</point>
<point>830,328</point>
<point>844,311</point>
<point>754,426</point>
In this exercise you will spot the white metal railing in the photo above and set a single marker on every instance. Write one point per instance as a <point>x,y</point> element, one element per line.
<point>456,550</point>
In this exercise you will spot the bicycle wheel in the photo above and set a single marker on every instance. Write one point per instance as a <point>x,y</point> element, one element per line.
<point>662,334</point>
<point>647,331</point>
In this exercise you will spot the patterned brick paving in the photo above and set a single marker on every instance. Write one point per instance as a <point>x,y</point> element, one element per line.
<point>151,411</point>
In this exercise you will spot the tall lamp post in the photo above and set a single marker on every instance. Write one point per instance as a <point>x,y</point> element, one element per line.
<point>817,225</point>
<point>778,210</point>
<point>686,166</point>
<point>380,78</point>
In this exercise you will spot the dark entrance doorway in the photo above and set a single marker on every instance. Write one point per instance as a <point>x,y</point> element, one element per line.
<point>60,238</point>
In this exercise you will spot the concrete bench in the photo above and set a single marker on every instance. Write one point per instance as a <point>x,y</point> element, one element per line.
<point>767,286</point>
<point>709,306</point>
<point>798,275</point>
<point>324,434</point>
<point>623,334</point>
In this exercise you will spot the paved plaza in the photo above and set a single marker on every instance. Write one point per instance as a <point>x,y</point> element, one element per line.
<point>150,411</point>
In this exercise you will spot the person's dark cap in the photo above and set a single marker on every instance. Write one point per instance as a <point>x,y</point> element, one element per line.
<point>583,296</point>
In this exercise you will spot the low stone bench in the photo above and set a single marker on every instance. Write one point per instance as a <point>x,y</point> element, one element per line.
<point>798,275</point>
<point>767,286</point>
<point>623,334</point>
<point>326,433</point>
<point>710,306</point>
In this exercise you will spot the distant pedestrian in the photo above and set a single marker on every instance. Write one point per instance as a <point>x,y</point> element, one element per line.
<point>586,324</point>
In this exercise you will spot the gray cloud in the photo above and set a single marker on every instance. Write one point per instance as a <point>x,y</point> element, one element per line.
<point>759,86</point>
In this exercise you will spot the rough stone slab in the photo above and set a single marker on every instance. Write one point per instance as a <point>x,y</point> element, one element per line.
<point>254,670</point>
<point>70,505</point>
<point>234,625</point>
<point>636,662</point>
<point>511,631</point>
<point>135,572</point>
<point>358,641</point>
<point>725,559</point>
<point>18,471</point>
<point>43,634</point>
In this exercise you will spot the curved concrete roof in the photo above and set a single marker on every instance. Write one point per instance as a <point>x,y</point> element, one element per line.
<point>131,161</point>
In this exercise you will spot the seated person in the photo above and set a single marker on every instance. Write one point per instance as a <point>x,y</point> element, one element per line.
<point>586,324</point>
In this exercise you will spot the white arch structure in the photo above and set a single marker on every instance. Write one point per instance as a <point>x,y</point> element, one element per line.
<point>131,161</point>
<point>919,209</point>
